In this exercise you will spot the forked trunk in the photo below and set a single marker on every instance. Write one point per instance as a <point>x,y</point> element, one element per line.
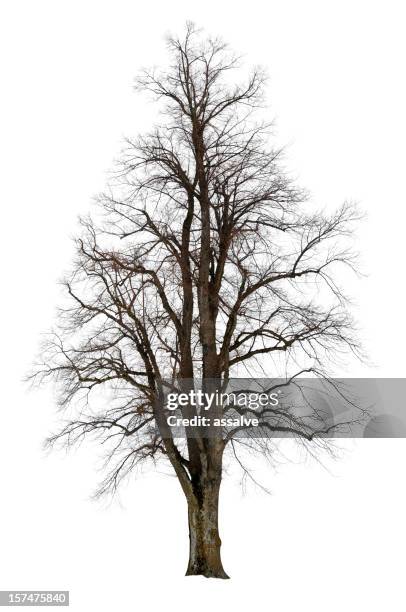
<point>204,538</point>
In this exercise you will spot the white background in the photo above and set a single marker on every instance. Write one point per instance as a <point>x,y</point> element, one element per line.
<point>326,538</point>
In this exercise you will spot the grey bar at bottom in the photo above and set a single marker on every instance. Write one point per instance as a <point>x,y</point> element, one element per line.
<point>21,598</point>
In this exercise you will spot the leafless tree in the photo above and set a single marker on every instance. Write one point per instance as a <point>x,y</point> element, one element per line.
<point>202,261</point>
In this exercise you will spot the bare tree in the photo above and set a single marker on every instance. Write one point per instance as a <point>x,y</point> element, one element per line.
<point>201,262</point>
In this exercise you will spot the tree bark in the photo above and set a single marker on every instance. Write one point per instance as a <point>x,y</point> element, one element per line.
<point>204,538</point>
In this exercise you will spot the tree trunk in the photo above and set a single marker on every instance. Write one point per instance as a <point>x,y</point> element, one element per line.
<point>204,538</point>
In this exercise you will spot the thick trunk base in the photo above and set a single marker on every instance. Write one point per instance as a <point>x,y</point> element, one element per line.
<point>207,571</point>
<point>204,538</point>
